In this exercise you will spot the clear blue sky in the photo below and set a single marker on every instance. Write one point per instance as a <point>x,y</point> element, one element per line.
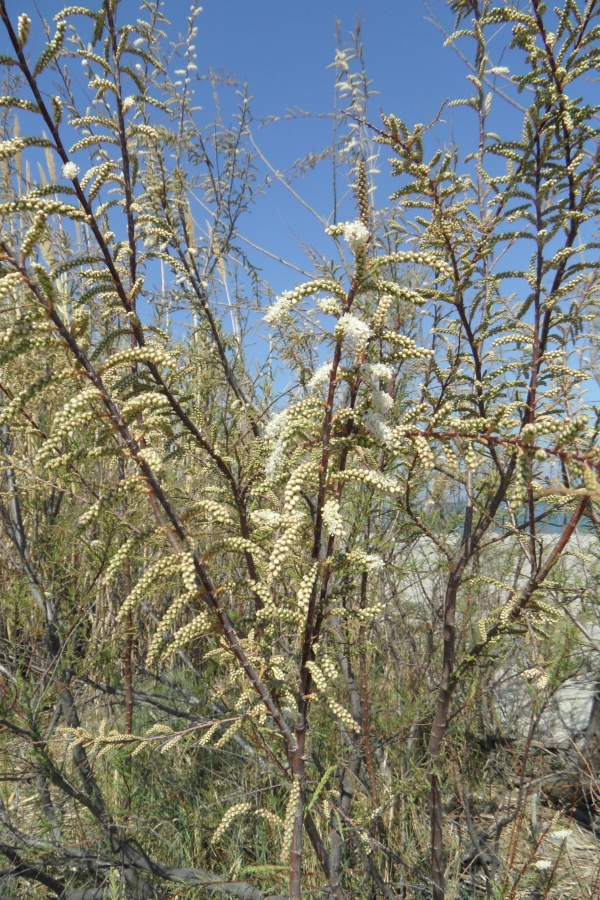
<point>282,51</point>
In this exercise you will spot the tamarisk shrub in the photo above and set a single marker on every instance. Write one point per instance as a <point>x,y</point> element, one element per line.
<point>306,590</point>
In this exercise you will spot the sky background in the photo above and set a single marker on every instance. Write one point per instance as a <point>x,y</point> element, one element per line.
<point>282,50</point>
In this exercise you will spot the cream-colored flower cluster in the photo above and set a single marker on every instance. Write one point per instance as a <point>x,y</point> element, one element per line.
<point>143,403</point>
<point>358,560</point>
<point>20,401</point>
<point>305,589</point>
<point>152,353</point>
<point>418,258</point>
<point>51,48</point>
<point>238,810</point>
<point>200,625</point>
<point>330,306</point>
<point>367,613</point>
<point>296,481</point>
<point>376,479</point>
<point>472,459</point>
<point>228,734</point>
<point>285,548</point>
<point>188,571</point>
<point>400,292</point>
<point>131,485</point>
<point>166,623</point>
<point>26,332</point>
<point>210,509</point>
<point>9,282</point>
<point>162,568</point>
<point>243,545</point>
<point>76,412</point>
<point>289,820</point>
<point>23,27</point>
<point>381,313</point>
<point>123,552</point>
<point>279,313</point>
<point>404,348</point>
<point>536,675</point>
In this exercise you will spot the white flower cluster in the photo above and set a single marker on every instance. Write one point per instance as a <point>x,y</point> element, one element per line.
<point>381,402</point>
<point>377,427</point>
<point>562,834</point>
<point>302,415</point>
<point>275,459</point>
<point>374,562</point>
<point>354,233</point>
<point>374,372</point>
<point>353,329</point>
<point>281,309</point>
<point>332,518</point>
<point>276,425</point>
<point>265,519</point>
<point>320,377</point>
<point>70,170</point>
<point>128,103</point>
